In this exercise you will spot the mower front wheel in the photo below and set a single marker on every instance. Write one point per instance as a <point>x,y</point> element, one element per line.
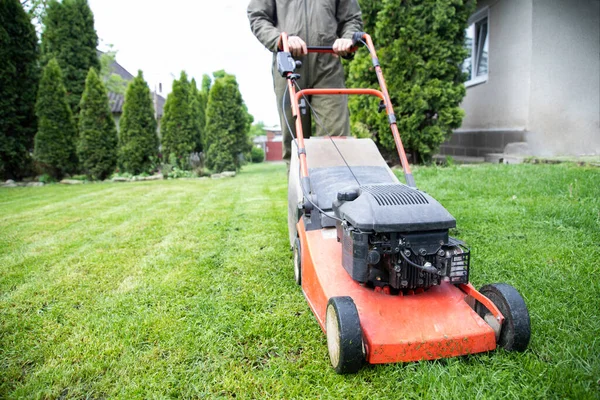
<point>516,329</point>
<point>344,335</point>
<point>297,261</point>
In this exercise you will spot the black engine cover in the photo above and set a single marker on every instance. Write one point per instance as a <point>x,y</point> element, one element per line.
<point>393,208</point>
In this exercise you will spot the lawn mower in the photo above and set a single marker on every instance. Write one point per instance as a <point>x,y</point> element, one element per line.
<point>373,255</point>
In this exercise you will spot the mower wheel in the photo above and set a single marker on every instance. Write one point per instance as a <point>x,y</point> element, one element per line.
<point>344,335</point>
<point>516,329</point>
<point>297,261</point>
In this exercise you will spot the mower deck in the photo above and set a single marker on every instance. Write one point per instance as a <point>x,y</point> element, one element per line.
<point>437,323</point>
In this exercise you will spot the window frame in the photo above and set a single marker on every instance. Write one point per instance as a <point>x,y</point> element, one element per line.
<point>473,20</point>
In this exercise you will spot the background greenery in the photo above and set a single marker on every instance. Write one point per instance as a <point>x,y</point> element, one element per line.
<point>56,139</point>
<point>138,142</point>
<point>19,75</point>
<point>420,45</point>
<point>97,145</point>
<point>185,289</point>
<point>70,37</point>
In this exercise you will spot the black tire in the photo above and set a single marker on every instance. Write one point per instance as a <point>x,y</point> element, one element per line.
<point>297,262</point>
<point>344,335</point>
<point>516,329</point>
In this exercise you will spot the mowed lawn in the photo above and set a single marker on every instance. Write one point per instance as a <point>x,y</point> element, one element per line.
<point>185,289</point>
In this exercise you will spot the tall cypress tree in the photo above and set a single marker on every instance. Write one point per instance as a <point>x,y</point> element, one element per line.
<point>177,135</point>
<point>138,141</point>
<point>205,91</point>
<point>57,134</point>
<point>226,124</point>
<point>97,147</point>
<point>70,37</point>
<point>198,105</point>
<point>19,76</point>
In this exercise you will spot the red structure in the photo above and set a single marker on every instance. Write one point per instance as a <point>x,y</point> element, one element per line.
<point>273,147</point>
<point>271,143</point>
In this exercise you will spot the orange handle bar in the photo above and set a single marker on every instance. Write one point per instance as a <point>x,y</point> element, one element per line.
<point>310,92</point>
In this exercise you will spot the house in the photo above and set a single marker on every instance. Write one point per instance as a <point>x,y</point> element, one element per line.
<point>271,143</point>
<point>116,100</point>
<point>534,77</point>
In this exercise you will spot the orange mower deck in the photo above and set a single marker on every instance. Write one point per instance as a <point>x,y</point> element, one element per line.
<point>436,323</point>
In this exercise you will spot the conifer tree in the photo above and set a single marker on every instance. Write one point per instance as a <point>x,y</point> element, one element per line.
<point>70,37</point>
<point>97,147</point>
<point>19,75</point>
<point>177,135</point>
<point>198,105</point>
<point>226,124</point>
<point>205,91</point>
<point>55,140</point>
<point>138,141</point>
<point>420,44</point>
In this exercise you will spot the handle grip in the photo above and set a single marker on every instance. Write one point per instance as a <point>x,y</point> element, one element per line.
<point>320,49</point>
<point>329,49</point>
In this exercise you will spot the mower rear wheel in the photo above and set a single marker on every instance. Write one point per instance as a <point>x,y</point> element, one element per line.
<point>297,261</point>
<point>344,335</point>
<point>516,329</point>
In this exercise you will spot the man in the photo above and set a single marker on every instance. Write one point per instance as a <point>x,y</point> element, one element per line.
<point>312,23</point>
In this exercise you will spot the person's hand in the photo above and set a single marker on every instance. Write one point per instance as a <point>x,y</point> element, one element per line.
<point>297,46</point>
<point>342,47</point>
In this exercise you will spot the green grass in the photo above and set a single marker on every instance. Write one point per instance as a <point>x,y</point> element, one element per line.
<point>185,289</point>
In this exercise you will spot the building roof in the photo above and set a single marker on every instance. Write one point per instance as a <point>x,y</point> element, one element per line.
<point>116,100</point>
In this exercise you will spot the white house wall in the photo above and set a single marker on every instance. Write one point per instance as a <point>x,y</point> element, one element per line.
<point>564,107</point>
<point>497,111</point>
<point>502,101</point>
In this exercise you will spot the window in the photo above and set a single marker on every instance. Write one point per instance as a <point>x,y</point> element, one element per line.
<point>477,44</point>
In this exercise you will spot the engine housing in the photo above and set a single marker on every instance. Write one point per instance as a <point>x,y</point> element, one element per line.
<point>396,236</point>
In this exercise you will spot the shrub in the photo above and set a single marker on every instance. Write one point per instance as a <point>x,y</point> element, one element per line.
<point>97,148</point>
<point>420,44</point>
<point>257,154</point>
<point>45,178</point>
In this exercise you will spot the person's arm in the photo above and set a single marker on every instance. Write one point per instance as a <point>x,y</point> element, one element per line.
<point>262,16</point>
<point>349,18</point>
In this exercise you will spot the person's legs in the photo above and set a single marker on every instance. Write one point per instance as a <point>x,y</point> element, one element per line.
<point>332,115</point>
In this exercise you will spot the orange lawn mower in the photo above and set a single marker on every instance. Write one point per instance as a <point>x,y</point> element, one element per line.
<point>374,257</point>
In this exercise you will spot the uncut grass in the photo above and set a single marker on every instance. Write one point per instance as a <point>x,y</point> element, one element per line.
<point>185,289</point>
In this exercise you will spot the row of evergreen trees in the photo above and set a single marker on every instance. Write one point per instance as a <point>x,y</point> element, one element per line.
<point>70,127</point>
<point>97,149</point>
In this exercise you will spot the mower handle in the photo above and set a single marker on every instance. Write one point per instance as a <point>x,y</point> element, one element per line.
<point>329,49</point>
<point>286,66</point>
<point>356,40</point>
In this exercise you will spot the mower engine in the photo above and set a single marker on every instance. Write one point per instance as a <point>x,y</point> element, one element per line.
<point>396,237</point>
